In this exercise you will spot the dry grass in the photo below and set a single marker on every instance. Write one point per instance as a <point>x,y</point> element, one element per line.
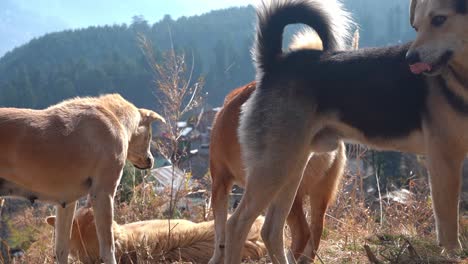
<point>359,231</point>
<point>405,234</point>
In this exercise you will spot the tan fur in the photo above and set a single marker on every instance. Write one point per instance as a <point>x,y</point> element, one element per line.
<point>433,41</point>
<point>188,241</point>
<point>306,39</point>
<point>446,148</point>
<point>320,180</point>
<point>71,149</point>
<point>412,9</point>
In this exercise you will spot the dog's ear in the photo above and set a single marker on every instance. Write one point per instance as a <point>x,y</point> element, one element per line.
<point>412,10</point>
<point>150,116</point>
<point>50,220</point>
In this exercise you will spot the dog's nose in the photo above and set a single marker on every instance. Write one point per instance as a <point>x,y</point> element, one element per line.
<point>149,160</point>
<point>412,57</point>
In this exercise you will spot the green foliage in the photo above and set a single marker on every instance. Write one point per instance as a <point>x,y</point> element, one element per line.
<point>105,59</point>
<point>21,237</point>
<point>388,166</point>
<point>131,177</point>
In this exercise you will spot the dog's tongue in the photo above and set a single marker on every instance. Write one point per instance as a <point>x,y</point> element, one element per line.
<point>420,67</point>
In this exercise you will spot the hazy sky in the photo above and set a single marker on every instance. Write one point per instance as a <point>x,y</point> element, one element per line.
<point>22,20</point>
<point>82,13</point>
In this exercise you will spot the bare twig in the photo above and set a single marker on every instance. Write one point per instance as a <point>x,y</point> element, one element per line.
<point>318,257</point>
<point>401,251</point>
<point>356,38</point>
<point>380,198</point>
<point>372,258</point>
<point>177,94</point>
<point>412,251</point>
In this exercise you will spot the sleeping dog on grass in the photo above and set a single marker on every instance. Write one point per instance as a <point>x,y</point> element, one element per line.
<point>161,241</point>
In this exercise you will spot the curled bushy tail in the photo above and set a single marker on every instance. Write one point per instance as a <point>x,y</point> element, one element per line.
<point>327,17</point>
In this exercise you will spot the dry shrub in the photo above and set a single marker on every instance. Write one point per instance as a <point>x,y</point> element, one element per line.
<point>394,232</point>
<point>145,204</point>
<point>30,232</point>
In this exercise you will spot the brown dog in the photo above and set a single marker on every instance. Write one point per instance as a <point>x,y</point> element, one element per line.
<point>187,241</point>
<point>320,180</point>
<point>72,149</point>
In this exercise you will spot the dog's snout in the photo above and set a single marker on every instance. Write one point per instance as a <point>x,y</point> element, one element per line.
<point>412,57</point>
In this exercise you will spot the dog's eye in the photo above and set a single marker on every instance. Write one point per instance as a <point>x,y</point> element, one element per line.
<point>438,21</point>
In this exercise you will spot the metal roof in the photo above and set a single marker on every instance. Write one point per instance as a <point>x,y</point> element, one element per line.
<point>168,174</point>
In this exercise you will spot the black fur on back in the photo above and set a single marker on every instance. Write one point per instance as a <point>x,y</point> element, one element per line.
<point>372,90</point>
<point>461,6</point>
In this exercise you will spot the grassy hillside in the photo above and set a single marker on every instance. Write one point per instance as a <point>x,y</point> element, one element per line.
<point>108,59</point>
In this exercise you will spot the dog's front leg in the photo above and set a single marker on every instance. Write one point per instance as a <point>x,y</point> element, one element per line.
<point>63,230</point>
<point>445,164</point>
<point>104,215</point>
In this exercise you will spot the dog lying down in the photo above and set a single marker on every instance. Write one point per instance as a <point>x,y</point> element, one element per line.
<point>188,241</point>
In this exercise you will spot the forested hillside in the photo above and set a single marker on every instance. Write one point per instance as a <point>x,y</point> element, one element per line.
<point>108,59</point>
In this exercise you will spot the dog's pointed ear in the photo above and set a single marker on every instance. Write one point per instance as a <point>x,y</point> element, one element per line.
<point>50,220</point>
<point>413,4</point>
<point>150,116</point>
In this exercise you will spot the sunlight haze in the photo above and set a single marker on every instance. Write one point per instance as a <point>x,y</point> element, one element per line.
<point>22,20</point>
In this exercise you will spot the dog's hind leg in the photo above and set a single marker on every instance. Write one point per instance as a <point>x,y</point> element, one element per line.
<point>222,184</point>
<point>321,194</point>
<point>299,227</point>
<point>272,231</point>
<point>63,227</point>
<point>275,134</point>
<point>253,202</point>
<point>275,177</point>
<point>445,167</point>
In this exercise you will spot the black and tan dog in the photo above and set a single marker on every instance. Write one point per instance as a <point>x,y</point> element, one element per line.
<point>320,179</point>
<point>308,101</point>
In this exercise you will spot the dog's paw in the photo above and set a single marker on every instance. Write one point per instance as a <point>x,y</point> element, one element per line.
<point>216,260</point>
<point>453,253</point>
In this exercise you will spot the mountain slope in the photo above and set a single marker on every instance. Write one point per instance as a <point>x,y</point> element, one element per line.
<point>108,59</point>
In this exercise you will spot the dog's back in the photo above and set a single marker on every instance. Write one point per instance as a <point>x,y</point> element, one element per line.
<point>46,140</point>
<point>161,240</point>
<point>195,244</point>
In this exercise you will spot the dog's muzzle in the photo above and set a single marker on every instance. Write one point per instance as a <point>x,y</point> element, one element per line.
<point>412,57</point>
<point>149,164</point>
<point>417,66</point>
